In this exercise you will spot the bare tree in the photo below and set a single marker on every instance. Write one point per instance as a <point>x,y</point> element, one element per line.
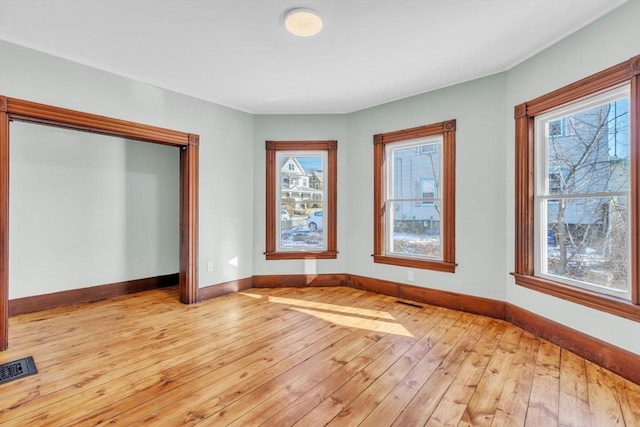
<point>587,160</point>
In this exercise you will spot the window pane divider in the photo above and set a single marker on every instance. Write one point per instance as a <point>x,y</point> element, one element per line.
<point>583,195</point>
<point>422,199</point>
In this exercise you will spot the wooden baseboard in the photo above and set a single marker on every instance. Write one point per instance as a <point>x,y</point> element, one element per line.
<point>220,289</point>
<point>462,302</point>
<point>299,280</point>
<point>615,359</point>
<point>90,294</point>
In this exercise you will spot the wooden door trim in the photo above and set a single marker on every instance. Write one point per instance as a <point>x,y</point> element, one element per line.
<point>32,112</point>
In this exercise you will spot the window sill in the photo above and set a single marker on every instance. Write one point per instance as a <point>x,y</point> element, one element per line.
<point>301,255</point>
<point>605,303</point>
<point>443,266</point>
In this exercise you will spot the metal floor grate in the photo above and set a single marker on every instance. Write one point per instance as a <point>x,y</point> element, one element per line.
<point>410,303</point>
<point>17,369</point>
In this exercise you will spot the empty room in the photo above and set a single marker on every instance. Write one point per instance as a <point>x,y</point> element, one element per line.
<point>320,212</point>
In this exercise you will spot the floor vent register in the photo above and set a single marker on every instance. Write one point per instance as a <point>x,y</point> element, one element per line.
<point>17,369</point>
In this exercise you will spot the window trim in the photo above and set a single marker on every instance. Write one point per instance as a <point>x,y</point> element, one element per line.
<point>330,181</point>
<point>627,72</point>
<point>447,130</point>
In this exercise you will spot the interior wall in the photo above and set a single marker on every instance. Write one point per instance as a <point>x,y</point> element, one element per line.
<point>226,176</point>
<point>606,42</point>
<point>478,108</point>
<point>300,128</point>
<point>88,209</point>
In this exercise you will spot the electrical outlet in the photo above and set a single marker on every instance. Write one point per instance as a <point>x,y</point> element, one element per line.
<point>410,275</point>
<point>210,266</point>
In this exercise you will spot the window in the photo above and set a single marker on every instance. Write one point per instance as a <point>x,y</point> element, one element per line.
<point>414,199</point>
<point>308,230</point>
<point>576,185</point>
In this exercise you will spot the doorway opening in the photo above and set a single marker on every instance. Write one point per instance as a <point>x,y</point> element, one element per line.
<point>12,109</point>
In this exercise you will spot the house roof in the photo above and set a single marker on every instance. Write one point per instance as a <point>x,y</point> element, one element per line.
<point>300,170</point>
<point>237,52</point>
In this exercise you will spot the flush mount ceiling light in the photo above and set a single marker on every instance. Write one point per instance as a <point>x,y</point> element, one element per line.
<point>303,22</point>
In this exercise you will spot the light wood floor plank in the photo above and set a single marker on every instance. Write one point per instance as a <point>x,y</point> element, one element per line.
<point>425,401</point>
<point>574,395</point>
<point>339,400</point>
<point>483,404</point>
<point>545,390</point>
<point>283,391</point>
<point>514,400</point>
<point>454,402</point>
<point>322,391</point>
<point>166,381</point>
<point>230,383</point>
<point>261,385</point>
<point>109,370</point>
<point>603,397</point>
<point>297,356</point>
<point>383,401</point>
<point>629,396</point>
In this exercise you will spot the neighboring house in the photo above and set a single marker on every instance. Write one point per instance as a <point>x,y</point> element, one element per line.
<point>414,179</point>
<point>296,187</point>
<point>588,154</point>
<point>317,180</point>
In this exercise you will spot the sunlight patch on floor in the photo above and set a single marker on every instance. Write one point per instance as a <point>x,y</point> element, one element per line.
<point>357,322</point>
<point>332,307</point>
<point>247,294</point>
<point>351,317</point>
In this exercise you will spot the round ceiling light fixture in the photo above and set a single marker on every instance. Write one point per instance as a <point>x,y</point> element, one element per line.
<point>303,22</point>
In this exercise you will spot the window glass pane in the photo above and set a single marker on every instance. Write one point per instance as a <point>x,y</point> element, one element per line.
<point>416,171</point>
<point>302,201</point>
<point>414,183</point>
<point>415,230</point>
<point>587,240</point>
<point>583,190</point>
<point>588,149</point>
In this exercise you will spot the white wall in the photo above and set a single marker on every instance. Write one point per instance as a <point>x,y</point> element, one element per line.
<point>226,182</point>
<point>606,42</point>
<point>300,128</point>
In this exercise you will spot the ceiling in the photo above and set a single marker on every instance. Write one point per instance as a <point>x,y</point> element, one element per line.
<point>237,52</point>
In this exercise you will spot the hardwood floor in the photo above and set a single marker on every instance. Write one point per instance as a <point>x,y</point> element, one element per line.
<point>298,356</point>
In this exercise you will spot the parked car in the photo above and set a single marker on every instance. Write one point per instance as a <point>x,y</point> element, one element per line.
<point>284,215</point>
<point>314,222</point>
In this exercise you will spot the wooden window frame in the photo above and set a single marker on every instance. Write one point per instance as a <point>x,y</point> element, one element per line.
<point>331,174</point>
<point>627,72</point>
<point>447,130</point>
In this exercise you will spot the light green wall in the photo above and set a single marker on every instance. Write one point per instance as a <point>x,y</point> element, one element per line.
<point>226,183</point>
<point>478,108</point>
<point>606,42</point>
<point>89,209</point>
